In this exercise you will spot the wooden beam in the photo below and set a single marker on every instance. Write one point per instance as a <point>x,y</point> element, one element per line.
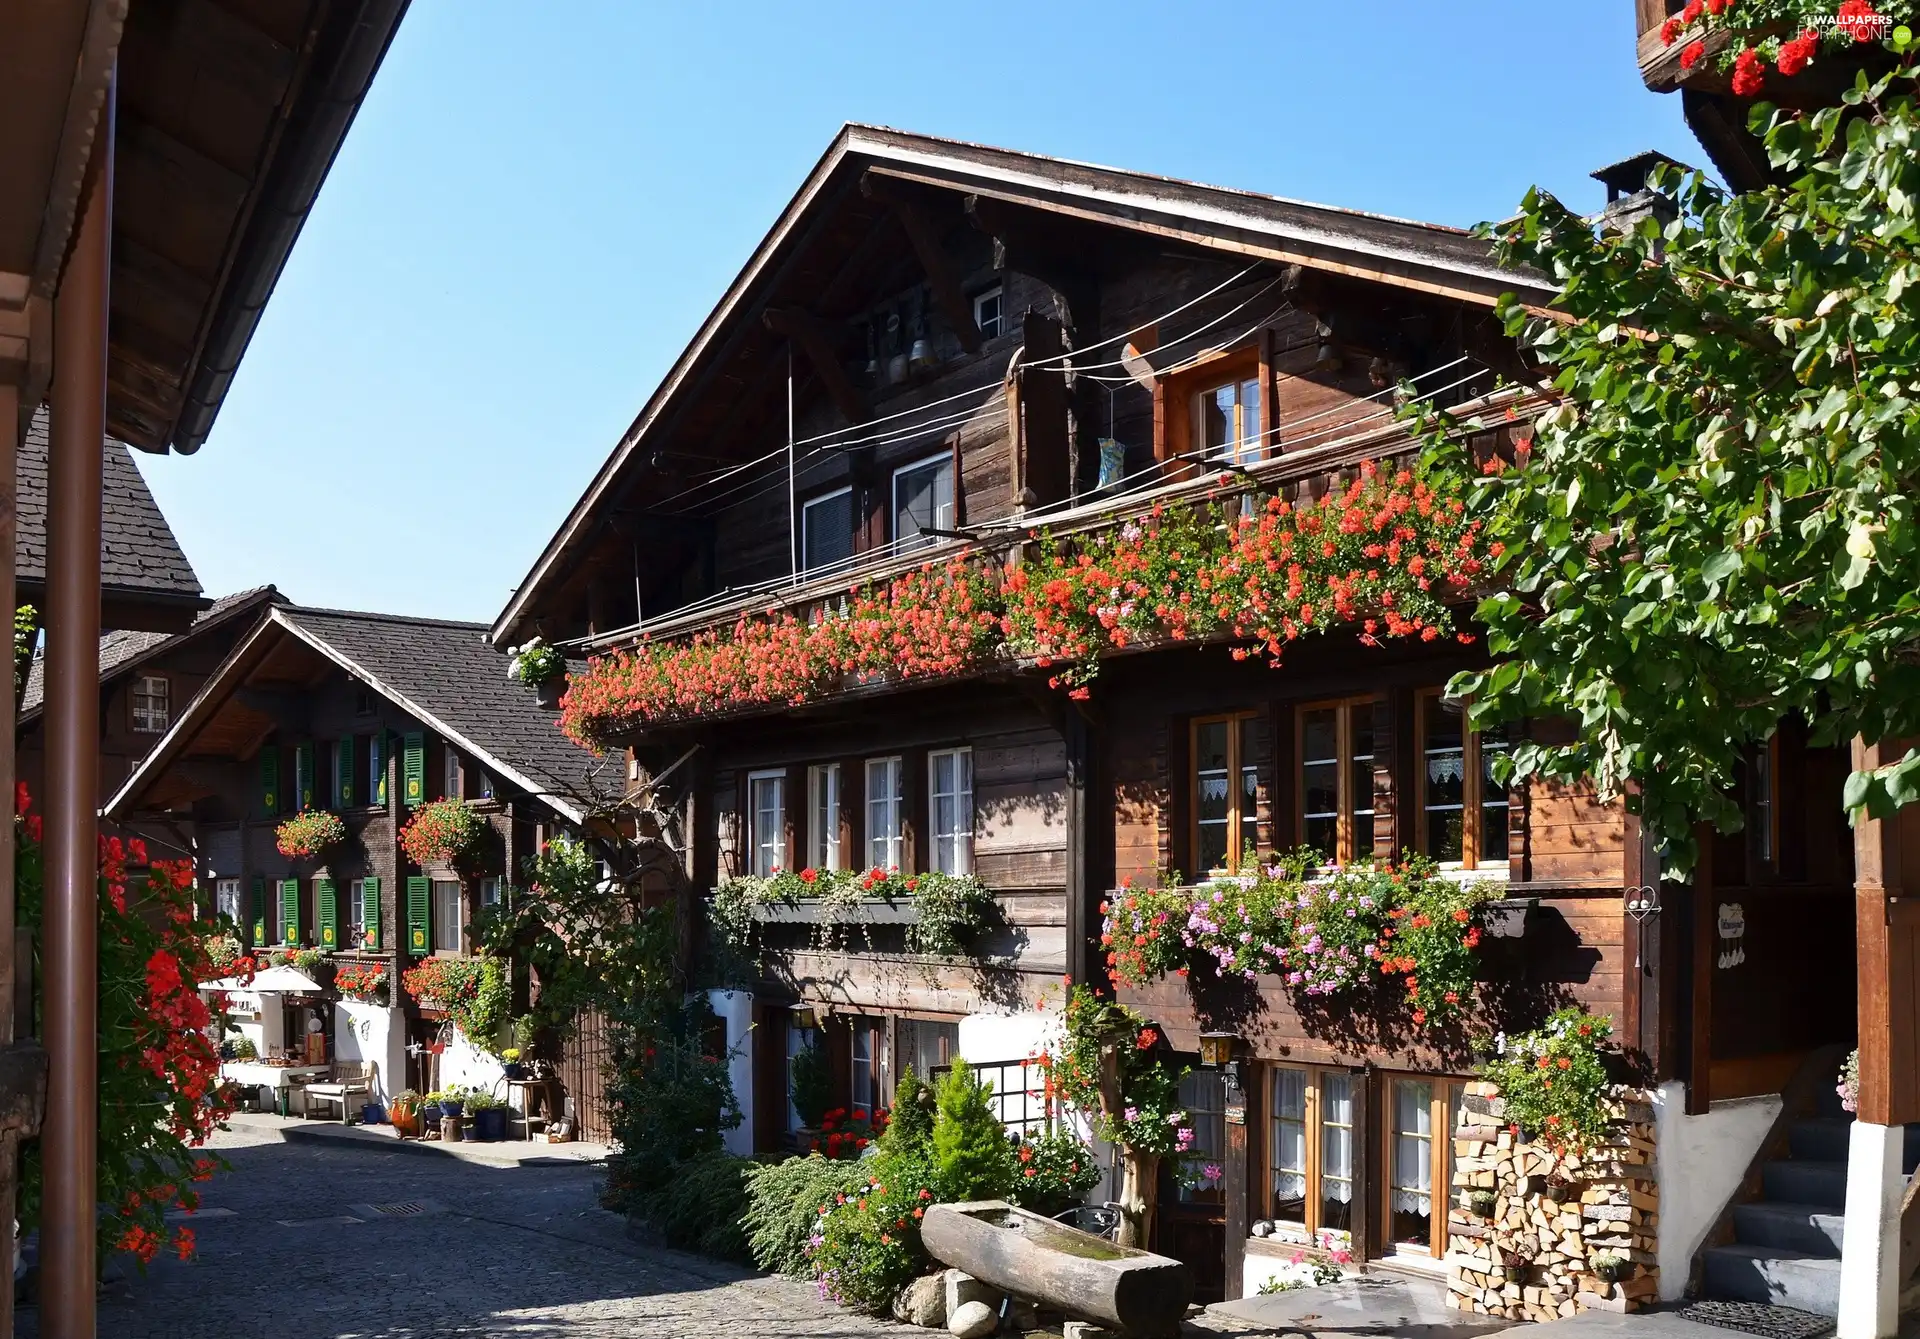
<point>804,330</point>
<point>1887,931</point>
<point>1703,938</point>
<point>1063,273</point>
<point>933,258</point>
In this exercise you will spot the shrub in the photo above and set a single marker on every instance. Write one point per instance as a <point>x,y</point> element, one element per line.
<point>474,991</point>
<point>868,1239</point>
<point>670,1098</point>
<point>848,1135</point>
<point>969,1143</point>
<point>1554,1081</point>
<point>910,1121</point>
<point>703,1207</point>
<point>785,1201</point>
<point>1055,1172</point>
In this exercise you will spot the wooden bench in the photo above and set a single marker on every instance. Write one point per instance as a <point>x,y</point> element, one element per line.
<point>348,1079</point>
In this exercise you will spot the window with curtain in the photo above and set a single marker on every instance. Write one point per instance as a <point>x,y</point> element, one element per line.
<point>798,1039</point>
<point>450,782</point>
<point>1421,1115</point>
<point>885,812</point>
<point>928,1044</point>
<point>1203,1094</point>
<point>448,916</point>
<point>1310,1151</point>
<point>1463,809</point>
<point>226,900</point>
<point>1336,744</point>
<point>767,822</point>
<point>1226,790</point>
<point>356,914</point>
<point>823,816</point>
<point>950,809</point>
<point>868,1071</point>
<point>1229,421</point>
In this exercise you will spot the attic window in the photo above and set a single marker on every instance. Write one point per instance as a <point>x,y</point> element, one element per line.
<point>986,312</point>
<point>363,703</point>
<point>150,704</point>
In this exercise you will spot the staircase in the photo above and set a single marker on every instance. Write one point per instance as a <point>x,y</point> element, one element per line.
<point>1786,1246</point>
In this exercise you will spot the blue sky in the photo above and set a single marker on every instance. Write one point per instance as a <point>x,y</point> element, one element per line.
<point>533,214</point>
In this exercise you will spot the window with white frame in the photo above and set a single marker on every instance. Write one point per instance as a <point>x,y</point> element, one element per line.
<point>826,530</point>
<point>950,810</point>
<point>150,704</point>
<point>767,822</point>
<point>1229,426</point>
<point>867,1072</point>
<point>922,500</point>
<point>823,816</point>
<point>226,899</point>
<point>987,313</point>
<point>450,781</point>
<point>489,893</point>
<point>799,1040</point>
<point>448,917</point>
<point>885,808</point>
<point>356,914</point>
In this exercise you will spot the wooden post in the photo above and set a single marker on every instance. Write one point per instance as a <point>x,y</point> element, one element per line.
<point>1887,930</point>
<point>1701,940</point>
<point>1080,897</point>
<point>1360,1083</point>
<point>1238,1168</point>
<point>72,918</point>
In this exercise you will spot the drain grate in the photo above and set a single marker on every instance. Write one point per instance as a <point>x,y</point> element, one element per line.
<point>407,1210</point>
<point>1770,1322</point>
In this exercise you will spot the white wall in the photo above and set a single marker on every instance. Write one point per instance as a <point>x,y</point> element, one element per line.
<point>1698,1162</point>
<point>735,1009</point>
<point>465,1065</point>
<point>985,1038</point>
<point>1258,1270</point>
<point>363,1030</point>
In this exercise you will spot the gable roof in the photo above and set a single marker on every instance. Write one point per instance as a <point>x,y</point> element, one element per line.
<point>443,673</point>
<point>124,651</point>
<point>141,563</point>
<point>1426,257</point>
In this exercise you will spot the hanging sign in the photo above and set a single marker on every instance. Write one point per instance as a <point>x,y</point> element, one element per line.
<point>1733,928</point>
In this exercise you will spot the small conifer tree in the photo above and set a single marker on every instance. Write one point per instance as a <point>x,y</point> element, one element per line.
<point>969,1143</point>
<point>909,1130</point>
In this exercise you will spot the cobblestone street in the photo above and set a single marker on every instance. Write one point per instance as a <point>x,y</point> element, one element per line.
<point>492,1251</point>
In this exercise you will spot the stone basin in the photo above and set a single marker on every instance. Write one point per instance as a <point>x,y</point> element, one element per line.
<point>1059,1267</point>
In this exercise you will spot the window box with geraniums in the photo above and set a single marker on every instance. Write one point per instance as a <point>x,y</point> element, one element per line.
<point>441,832</point>
<point>541,667</point>
<point>1554,1080</point>
<point>471,991</point>
<point>308,833</point>
<point>943,913</point>
<point>366,982</point>
<point>1762,46</point>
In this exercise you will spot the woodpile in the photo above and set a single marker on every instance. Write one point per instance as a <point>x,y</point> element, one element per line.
<point>1565,1212</point>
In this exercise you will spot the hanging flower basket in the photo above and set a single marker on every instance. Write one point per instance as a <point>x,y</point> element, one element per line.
<point>308,833</point>
<point>542,668</point>
<point>367,983</point>
<point>441,832</point>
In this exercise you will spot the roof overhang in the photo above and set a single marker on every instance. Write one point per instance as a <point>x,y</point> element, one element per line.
<point>275,632</point>
<point>1420,257</point>
<point>228,121</point>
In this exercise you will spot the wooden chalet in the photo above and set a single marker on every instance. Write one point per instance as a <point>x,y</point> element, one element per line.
<point>159,160</point>
<point>367,716</point>
<point>938,351</point>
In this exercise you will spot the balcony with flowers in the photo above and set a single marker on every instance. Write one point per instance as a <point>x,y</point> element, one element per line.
<point>1257,558</point>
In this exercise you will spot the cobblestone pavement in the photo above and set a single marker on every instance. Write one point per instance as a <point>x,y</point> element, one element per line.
<point>493,1252</point>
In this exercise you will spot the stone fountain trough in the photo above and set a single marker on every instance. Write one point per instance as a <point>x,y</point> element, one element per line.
<point>1059,1267</point>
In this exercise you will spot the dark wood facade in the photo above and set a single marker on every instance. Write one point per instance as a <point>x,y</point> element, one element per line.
<point>1071,799</point>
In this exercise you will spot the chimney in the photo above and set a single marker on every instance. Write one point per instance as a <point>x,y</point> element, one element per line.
<point>1628,197</point>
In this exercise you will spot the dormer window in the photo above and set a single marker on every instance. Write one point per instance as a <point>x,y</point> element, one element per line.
<point>986,312</point>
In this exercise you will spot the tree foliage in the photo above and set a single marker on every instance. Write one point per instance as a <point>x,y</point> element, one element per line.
<point>1714,527</point>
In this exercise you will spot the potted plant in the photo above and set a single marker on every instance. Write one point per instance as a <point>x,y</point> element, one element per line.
<point>1607,1266</point>
<point>244,1049</point>
<point>452,1102</point>
<point>1482,1203</point>
<point>510,1062</point>
<point>542,668</point>
<point>403,1112</point>
<point>1516,1257</point>
<point>430,1112</point>
<point>1561,1187</point>
<point>489,1115</point>
<point>308,833</point>
<point>441,831</point>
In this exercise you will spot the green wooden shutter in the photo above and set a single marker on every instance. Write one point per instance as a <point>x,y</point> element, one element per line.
<point>259,910</point>
<point>370,914</point>
<point>303,777</point>
<point>270,780</point>
<point>377,766</point>
<point>329,914</point>
<point>290,911</point>
<point>419,899</point>
<point>343,787</point>
<point>413,770</point>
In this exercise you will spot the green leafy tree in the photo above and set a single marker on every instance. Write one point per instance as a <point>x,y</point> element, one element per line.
<point>969,1143</point>
<point>1714,526</point>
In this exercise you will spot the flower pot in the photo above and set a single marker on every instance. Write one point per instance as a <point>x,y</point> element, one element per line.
<point>515,1070</point>
<point>1608,1273</point>
<point>372,1114</point>
<point>452,1107</point>
<point>1515,1273</point>
<point>547,693</point>
<point>405,1123</point>
<point>490,1126</point>
<point>430,1115</point>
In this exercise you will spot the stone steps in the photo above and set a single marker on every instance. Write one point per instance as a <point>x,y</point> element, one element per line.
<point>1810,1228</point>
<point>1745,1273</point>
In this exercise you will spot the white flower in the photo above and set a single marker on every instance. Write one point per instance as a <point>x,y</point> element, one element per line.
<point>1860,539</point>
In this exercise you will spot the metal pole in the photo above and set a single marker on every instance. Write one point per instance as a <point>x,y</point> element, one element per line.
<point>72,918</point>
<point>793,499</point>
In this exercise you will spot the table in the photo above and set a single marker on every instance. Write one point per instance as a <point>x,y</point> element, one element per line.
<point>282,1079</point>
<point>549,1100</point>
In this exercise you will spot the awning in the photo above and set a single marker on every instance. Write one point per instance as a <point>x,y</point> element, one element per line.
<point>273,981</point>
